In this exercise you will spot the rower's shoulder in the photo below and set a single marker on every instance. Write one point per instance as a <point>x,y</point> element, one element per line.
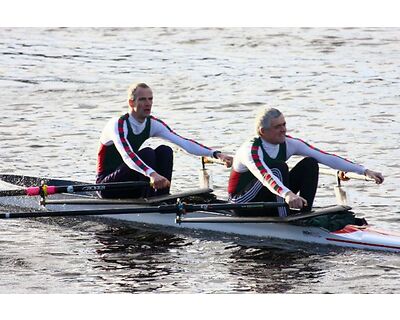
<point>118,118</point>
<point>154,118</point>
<point>248,145</point>
<point>157,121</point>
<point>291,140</point>
<point>288,137</point>
<point>111,123</point>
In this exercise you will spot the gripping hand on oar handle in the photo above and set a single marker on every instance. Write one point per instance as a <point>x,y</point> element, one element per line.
<point>377,176</point>
<point>295,201</point>
<point>369,175</point>
<point>157,181</point>
<point>227,160</point>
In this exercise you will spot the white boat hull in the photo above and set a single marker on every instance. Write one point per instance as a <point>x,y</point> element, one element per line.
<point>361,237</point>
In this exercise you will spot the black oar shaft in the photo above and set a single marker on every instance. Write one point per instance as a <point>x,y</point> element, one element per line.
<point>173,208</point>
<point>100,186</point>
<point>47,190</point>
<point>37,214</point>
<point>11,193</point>
<point>229,206</point>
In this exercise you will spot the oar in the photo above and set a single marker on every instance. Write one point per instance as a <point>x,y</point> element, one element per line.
<point>205,160</point>
<point>46,190</point>
<point>173,208</point>
<point>350,175</point>
<point>266,219</point>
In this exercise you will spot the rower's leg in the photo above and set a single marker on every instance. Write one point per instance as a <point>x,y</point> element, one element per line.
<point>124,173</point>
<point>164,158</point>
<point>121,174</point>
<point>281,171</point>
<point>304,179</point>
<point>148,155</point>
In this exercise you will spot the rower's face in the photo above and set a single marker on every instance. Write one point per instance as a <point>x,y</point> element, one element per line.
<point>276,133</point>
<point>141,106</point>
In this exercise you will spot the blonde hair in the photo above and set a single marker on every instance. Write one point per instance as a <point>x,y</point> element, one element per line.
<point>133,88</point>
<point>264,117</point>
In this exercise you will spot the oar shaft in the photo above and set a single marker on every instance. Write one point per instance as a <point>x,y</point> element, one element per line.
<point>11,193</point>
<point>47,190</point>
<point>229,206</point>
<point>98,212</point>
<point>350,175</point>
<point>205,160</point>
<point>100,186</point>
<point>162,209</point>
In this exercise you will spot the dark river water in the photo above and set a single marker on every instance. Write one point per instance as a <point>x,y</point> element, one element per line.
<point>338,88</point>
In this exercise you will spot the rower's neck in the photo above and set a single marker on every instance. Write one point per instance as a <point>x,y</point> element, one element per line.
<point>138,118</point>
<point>269,143</point>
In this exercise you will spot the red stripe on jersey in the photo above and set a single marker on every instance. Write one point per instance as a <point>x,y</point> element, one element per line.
<point>132,155</point>
<point>267,177</point>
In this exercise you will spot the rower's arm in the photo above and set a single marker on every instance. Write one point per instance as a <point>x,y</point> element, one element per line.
<point>253,160</point>
<point>161,130</point>
<point>118,134</point>
<point>299,147</point>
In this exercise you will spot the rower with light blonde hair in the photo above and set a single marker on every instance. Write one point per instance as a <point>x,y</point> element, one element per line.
<point>121,158</point>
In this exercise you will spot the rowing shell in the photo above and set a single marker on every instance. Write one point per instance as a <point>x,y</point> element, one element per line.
<point>351,236</point>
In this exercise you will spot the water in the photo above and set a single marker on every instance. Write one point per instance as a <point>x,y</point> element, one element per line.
<point>338,88</point>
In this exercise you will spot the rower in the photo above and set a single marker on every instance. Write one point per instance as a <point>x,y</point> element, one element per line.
<point>121,158</point>
<point>260,173</point>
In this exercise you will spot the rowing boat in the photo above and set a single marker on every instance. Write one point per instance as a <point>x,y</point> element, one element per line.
<point>361,236</point>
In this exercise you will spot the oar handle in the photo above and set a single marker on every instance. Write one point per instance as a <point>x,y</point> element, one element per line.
<point>350,175</point>
<point>206,160</point>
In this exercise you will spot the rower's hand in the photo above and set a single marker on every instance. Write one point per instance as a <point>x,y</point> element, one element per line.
<point>157,181</point>
<point>295,201</point>
<point>377,176</point>
<point>228,160</point>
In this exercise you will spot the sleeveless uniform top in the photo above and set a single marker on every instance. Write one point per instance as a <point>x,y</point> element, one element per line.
<point>109,159</point>
<point>239,180</point>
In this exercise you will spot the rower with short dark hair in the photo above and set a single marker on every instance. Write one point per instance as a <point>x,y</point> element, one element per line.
<point>121,158</point>
<point>260,173</point>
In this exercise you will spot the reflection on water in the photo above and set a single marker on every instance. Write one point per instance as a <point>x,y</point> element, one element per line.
<point>150,260</point>
<point>139,257</point>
